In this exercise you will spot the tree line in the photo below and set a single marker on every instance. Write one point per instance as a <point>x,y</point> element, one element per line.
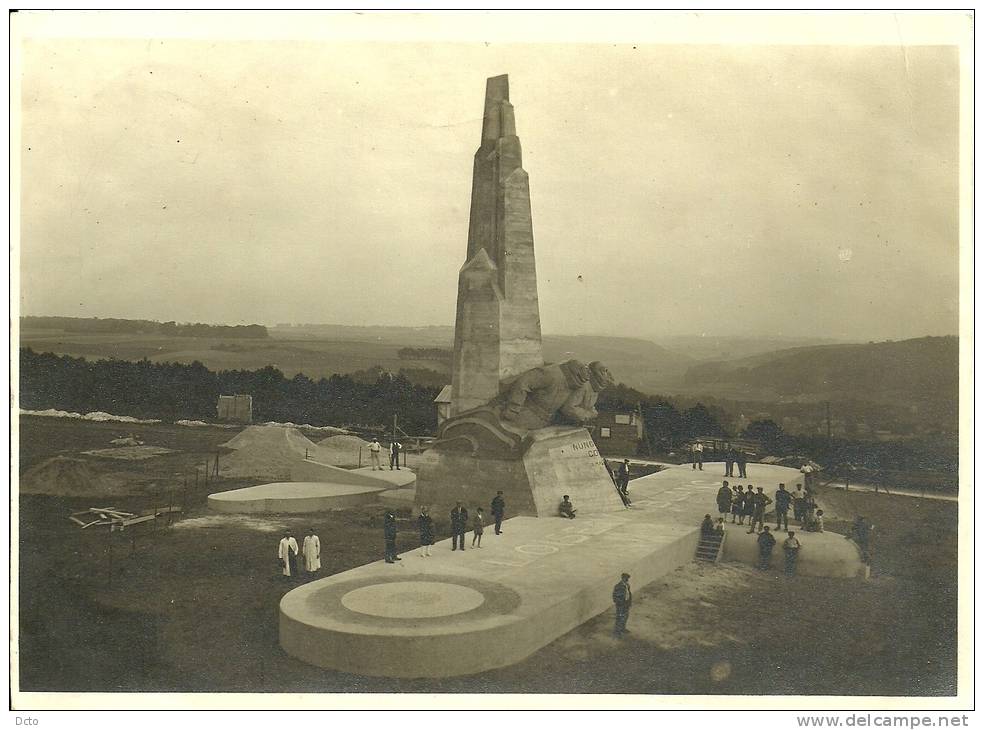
<point>441,354</point>
<point>370,398</point>
<point>87,325</point>
<point>173,391</point>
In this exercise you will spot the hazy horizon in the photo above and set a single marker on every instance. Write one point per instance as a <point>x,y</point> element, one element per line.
<point>450,326</point>
<point>746,191</point>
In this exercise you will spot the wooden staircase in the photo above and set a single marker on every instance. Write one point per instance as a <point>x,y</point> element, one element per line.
<point>710,548</point>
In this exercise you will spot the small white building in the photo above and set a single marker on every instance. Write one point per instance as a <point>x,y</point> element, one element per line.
<point>443,402</point>
<point>235,408</point>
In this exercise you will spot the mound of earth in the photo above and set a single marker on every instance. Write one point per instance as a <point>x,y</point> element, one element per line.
<point>343,450</point>
<point>66,477</point>
<point>273,452</point>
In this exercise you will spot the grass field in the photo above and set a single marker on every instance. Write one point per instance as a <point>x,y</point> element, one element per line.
<point>195,608</point>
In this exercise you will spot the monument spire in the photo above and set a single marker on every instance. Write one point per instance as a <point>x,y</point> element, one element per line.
<point>497,324</point>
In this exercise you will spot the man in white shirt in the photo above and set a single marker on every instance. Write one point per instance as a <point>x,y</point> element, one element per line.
<point>374,449</point>
<point>791,547</point>
<point>311,550</point>
<point>799,503</point>
<point>698,456</point>
<point>288,554</point>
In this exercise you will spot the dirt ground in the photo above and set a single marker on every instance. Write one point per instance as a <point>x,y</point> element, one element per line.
<point>194,607</point>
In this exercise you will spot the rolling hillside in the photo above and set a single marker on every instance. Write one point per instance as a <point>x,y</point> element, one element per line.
<point>890,372</point>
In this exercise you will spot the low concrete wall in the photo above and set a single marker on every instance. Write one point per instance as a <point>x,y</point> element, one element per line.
<point>292,498</point>
<point>822,554</point>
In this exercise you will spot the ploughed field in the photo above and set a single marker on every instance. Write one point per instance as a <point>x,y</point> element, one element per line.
<point>193,607</point>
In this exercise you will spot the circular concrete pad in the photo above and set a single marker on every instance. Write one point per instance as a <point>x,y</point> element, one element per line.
<point>412,599</point>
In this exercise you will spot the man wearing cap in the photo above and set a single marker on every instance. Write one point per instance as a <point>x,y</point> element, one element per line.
<point>622,598</point>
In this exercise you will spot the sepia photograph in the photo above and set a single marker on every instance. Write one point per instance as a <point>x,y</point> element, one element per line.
<point>539,359</point>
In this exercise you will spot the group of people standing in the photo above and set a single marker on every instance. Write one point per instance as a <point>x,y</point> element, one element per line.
<point>459,526</point>
<point>309,554</point>
<point>376,448</point>
<point>733,457</point>
<point>754,504</point>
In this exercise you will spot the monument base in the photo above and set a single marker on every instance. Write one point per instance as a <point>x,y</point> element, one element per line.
<point>554,461</point>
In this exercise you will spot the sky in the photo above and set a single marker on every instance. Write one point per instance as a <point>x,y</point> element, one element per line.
<point>676,189</point>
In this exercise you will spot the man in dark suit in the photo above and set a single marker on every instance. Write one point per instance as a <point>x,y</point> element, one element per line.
<point>498,510</point>
<point>459,523</point>
<point>395,454</point>
<point>622,598</point>
<point>389,535</point>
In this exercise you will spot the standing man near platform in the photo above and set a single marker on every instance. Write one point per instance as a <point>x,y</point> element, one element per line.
<point>389,535</point>
<point>374,449</point>
<point>459,523</point>
<point>760,500</point>
<point>498,510</point>
<point>791,548</point>
<point>724,498</point>
<point>622,598</point>
<point>783,500</point>
<point>287,552</point>
<point>311,550</point>
<point>742,458</point>
<point>623,477</point>
<point>765,544</point>
<point>729,461</point>
<point>395,448</point>
<point>698,456</point>
<point>799,503</point>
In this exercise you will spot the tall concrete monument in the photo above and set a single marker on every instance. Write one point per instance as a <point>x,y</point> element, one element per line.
<point>497,326</point>
<point>517,426</point>
<point>516,423</point>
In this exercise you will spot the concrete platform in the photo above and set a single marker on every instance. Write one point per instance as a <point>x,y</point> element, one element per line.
<point>402,477</point>
<point>294,497</point>
<point>424,617</point>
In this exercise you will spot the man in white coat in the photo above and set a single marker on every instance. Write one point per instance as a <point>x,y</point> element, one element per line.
<point>311,550</point>
<point>288,554</point>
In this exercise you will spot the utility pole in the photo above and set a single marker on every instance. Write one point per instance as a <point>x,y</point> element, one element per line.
<point>828,421</point>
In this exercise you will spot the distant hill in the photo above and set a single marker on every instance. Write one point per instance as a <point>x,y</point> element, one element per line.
<point>719,347</point>
<point>892,372</point>
<point>322,350</point>
<point>640,364</point>
<point>727,368</point>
